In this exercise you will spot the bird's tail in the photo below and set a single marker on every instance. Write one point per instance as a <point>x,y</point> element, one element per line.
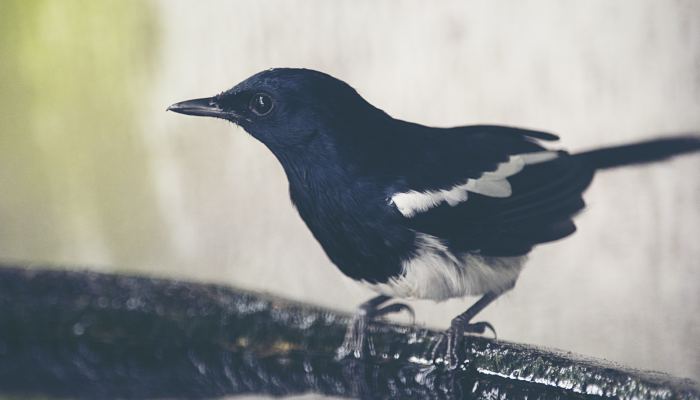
<point>638,153</point>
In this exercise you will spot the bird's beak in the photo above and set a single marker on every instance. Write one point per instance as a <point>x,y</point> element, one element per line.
<point>205,107</point>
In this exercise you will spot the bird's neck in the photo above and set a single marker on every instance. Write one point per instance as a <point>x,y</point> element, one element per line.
<point>313,169</point>
<point>333,165</point>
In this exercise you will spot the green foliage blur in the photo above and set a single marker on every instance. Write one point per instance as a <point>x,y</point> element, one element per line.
<point>71,76</point>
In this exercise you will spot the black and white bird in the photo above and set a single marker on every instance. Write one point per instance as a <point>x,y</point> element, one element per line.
<point>417,212</point>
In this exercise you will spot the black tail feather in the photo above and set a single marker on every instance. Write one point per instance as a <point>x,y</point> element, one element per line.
<point>637,153</point>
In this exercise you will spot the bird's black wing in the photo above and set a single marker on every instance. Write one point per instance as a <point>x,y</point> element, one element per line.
<point>491,189</point>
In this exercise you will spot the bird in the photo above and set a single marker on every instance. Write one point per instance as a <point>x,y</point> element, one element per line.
<point>412,211</point>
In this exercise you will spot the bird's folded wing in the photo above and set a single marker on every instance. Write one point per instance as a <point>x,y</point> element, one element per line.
<point>511,193</point>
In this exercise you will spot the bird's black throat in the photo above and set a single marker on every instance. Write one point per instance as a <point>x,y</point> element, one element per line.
<point>346,212</point>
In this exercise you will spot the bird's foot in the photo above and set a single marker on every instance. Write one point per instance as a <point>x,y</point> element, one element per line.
<point>449,346</point>
<point>356,342</point>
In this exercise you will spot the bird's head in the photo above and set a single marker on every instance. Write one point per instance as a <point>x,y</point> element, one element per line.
<point>284,107</point>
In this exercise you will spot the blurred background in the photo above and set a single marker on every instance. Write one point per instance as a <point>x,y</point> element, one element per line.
<point>95,174</point>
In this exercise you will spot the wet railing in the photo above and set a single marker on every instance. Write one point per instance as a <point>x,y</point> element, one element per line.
<point>91,335</point>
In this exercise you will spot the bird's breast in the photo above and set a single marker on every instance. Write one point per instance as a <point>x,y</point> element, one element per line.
<point>357,229</point>
<point>435,272</point>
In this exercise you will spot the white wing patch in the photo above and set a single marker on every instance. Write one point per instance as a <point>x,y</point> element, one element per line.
<point>435,273</point>
<point>491,184</point>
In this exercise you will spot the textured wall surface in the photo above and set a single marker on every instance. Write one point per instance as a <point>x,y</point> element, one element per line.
<point>116,181</point>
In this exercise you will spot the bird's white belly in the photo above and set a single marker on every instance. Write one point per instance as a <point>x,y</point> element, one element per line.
<point>435,273</point>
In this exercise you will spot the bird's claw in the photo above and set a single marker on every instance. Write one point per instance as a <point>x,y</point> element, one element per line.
<point>354,340</point>
<point>480,328</point>
<point>450,343</point>
<point>356,343</point>
<point>397,308</point>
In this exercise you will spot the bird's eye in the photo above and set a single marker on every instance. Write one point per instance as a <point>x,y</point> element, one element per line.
<point>261,104</point>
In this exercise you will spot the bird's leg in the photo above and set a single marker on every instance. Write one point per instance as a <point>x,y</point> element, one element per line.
<point>355,335</point>
<point>461,324</point>
<point>355,342</point>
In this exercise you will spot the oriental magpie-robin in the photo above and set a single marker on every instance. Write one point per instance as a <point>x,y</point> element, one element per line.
<point>410,210</point>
